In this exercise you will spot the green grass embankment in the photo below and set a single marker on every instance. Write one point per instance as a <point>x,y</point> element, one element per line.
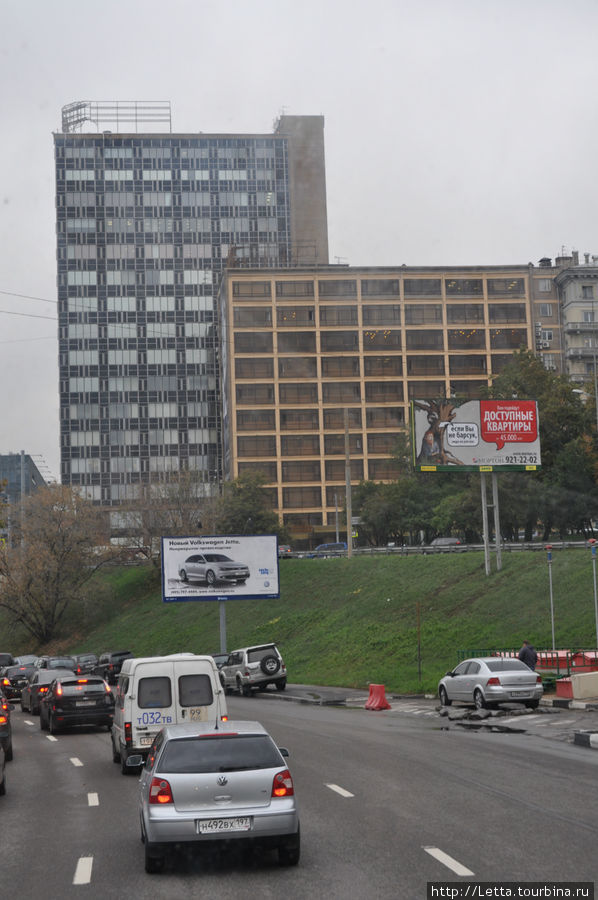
<point>348,622</point>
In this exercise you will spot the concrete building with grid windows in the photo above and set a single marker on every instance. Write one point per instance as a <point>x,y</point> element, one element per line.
<point>301,346</point>
<point>146,222</point>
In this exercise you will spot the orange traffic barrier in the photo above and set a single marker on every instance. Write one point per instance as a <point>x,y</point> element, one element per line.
<point>377,698</point>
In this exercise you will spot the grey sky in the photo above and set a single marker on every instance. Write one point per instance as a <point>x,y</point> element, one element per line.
<point>457,132</point>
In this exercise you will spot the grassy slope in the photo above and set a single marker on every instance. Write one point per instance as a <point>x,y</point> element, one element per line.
<point>350,622</point>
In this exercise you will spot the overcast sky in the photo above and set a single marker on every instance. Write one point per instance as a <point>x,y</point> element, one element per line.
<point>457,132</point>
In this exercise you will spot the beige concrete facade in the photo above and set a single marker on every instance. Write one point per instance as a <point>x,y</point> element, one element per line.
<point>300,346</point>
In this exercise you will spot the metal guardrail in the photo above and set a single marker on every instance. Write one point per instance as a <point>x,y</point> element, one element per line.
<point>426,549</point>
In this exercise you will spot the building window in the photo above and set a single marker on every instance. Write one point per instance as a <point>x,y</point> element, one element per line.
<point>335,470</point>
<point>387,314</point>
<point>380,287</point>
<point>337,288</point>
<point>507,312</point>
<point>300,445</point>
<point>339,340</point>
<point>588,316</point>
<point>380,339</point>
<point>547,335</point>
<point>338,315</point>
<point>295,316</point>
<point>341,392</point>
<point>464,313</point>
<point>383,469</point>
<point>297,342</point>
<point>467,339</point>
<point>252,289</point>
<point>425,340</point>
<point>254,368</point>
<point>308,470</point>
<point>587,292</point>
<point>253,342</point>
<point>252,316</point>
<point>256,446</point>
<point>506,287</point>
<point>298,393</point>
<point>545,285</point>
<point>422,287</point>
<point>546,310</point>
<point>299,420</point>
<point>427,314</point>
<point>384,391</point>
<point>334,444</point>
<point>335,418</point>
<point>384,417</point>
<point>301,498</point>
<point>255,394</point>
<point>294,289</point>
<point>382,365</point>
<point>464,287</point>
<point>513,338</point>
<point>255,420</point>
<point>297,367</point>
<point>467,365</point>
<point>425,365</point>
<point>341,366</point>
<point>267,469</point>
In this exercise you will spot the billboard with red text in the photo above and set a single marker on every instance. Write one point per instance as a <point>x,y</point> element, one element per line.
<point>475,435</point>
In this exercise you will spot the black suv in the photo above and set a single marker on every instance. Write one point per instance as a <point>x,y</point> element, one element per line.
<point>5,728</point>
<point>14,679</point>
<point>76,701</point>
<point>110,664</point>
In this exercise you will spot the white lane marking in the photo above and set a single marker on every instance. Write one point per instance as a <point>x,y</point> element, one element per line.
<point>28,722</point>
<point>448,861</point>
<point>340,790</point>
<point>83,870</point>
<point>75,761</point>
<point>50,737</point>
<point>93,800</point>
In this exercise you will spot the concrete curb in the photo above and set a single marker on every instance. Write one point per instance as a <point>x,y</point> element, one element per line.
<point>586,739</point>
<point>563,703</point>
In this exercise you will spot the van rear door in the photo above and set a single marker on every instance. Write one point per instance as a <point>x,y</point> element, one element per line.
<point>198,696</point>
<point>154,705</point>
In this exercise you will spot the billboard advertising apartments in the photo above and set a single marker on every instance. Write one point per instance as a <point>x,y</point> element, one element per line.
<point>475,435</point>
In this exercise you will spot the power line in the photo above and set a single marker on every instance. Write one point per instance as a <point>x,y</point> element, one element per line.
<point>9,312</point>
<point>28,297</point>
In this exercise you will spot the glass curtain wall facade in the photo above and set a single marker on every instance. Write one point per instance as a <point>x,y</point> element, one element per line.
<point>145,227</point>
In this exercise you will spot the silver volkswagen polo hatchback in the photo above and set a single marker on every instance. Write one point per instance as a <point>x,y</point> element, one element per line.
<point>201,783</point>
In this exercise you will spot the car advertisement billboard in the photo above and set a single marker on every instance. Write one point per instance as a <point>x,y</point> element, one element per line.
<point>475,435</point>
<point>223,567</point>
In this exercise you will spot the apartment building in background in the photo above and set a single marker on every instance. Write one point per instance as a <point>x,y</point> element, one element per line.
<point>576,285</point>
<point>146,222</point>
<point>302,348</point>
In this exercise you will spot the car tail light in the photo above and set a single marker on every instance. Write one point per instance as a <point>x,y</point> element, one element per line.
<point>224,718</point>
<point>3,720</point>
<point>108,688</point>
<point>6,682</point>
<point>82,680</point>
<point>43,690</point>
<point>493,680</point>
<point>282,786</point>
<point>58,690</point>
<point>160,791</point>
<point>128,734</point>
<point>538,679</point>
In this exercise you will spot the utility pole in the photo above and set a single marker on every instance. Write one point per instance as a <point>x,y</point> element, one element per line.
<point>348,487</point>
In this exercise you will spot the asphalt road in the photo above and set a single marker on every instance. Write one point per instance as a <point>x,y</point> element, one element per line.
<point>383,796</point>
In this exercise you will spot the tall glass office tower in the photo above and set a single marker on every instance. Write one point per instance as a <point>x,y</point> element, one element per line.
<point>145,224</point>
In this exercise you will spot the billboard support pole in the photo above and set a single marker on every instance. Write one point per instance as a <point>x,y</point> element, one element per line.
<point>485,522</point>
<point>496,522</point>
<point>222,605</point>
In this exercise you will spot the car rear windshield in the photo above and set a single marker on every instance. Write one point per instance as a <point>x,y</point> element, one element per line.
<point>226,753</point>
<point>506,665</point>
<point>64,662</point>
<point>259,653</point>
<point>82,687</point>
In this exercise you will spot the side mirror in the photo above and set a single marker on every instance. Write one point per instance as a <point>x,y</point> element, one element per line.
<point>283,751</point>
<point>135,761</point>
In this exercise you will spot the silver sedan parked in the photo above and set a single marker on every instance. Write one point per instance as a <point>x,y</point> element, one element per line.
<point>201,784</point>
<point>486,681</point>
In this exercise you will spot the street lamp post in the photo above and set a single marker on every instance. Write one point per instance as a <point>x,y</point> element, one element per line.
<point>549,556</point>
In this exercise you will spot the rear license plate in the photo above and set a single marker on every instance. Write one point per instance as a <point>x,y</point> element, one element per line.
<point>146,741</point>
<point>521,695</point>
<point>85,703</point>
<point>221,826</point>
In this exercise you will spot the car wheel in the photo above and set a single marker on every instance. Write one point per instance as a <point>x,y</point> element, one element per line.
<point>210,577</point>
<point>154,858</point>
<point>246,690</point>
<point>270,665</point>
<point>444,697</point>
<point>126,770</point>
<point>478,699</point>
<point>52,724</point>
<point>532,704</point>
<point>8,752</point>
<point>3,787</point>
<point>290,852</point>
<point>183,575</point>
<point>115,753</point>
<point>281,685</point>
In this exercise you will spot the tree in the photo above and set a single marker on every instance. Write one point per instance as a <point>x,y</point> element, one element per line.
<point>244,509</point>
<point>58,542</point>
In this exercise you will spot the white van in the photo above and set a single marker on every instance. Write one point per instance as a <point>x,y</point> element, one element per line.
<point>155,691</point>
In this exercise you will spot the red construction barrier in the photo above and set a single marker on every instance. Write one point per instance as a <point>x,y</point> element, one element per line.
<point>377,698</point>
<point>564,688</point>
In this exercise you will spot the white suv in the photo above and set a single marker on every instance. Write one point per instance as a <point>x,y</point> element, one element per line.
<point>254,668</point>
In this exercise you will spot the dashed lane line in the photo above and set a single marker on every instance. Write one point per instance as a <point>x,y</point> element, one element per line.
<point>93,799</point>
<point>448,861</point>
<point>50,737</point>
<point>75,761</point>
<point>340,790</point>
<point>83,870</point>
